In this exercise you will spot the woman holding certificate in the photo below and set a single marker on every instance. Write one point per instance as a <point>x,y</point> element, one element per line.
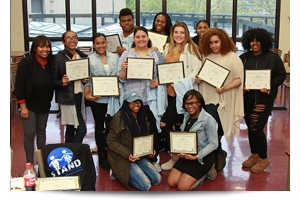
<point>162,24</point>
<point>142,53</point>
<point>224,103</point>
<point>128,123</point>
<point>191,169</point>
<point>258,102</point>
<point>180,48</point>
<point>102,63</point>
<point>69,94</point>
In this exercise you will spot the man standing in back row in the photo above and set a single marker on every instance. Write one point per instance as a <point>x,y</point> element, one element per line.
<point>126,37</point>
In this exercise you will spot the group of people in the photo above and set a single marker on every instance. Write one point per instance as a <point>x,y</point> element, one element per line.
<point>146,107</point>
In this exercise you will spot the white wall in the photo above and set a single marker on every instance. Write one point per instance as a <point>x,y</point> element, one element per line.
<point>16,26</point>
<point>284,32</point>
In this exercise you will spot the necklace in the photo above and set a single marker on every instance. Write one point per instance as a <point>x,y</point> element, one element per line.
<point>192,120</point>
<point>43,64</point>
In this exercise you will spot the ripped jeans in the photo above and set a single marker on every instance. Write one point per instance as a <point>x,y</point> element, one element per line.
<point>143,174</point>
<point>256,117</point>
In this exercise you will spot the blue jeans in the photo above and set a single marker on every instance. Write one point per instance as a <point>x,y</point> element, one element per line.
<point>143,174</point>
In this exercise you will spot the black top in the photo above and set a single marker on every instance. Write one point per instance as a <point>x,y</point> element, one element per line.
<point>42,93</point>
<point>34,85</point>
<point>190,122</point>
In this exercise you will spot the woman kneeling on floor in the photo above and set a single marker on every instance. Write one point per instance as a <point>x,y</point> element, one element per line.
<point>190,170</point>
<point>130,121</point>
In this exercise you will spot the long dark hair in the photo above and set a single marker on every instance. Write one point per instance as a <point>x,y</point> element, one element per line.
<point>141,28</point>
<point>190,94</point>
<point>41,40</point>
<point>129,120</point>
<point>168,23</point>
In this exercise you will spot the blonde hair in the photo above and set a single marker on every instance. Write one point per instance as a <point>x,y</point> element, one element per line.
<point>193,48</point>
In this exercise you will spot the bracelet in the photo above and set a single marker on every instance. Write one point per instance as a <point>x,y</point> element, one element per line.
<point>22,108</point>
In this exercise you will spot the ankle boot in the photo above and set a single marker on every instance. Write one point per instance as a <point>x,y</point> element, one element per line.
<point>261,165</point>
<point>251,161</point>
<point>221,160</point>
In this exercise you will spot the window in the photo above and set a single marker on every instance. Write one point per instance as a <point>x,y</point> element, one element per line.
<point>188,11</point>
<point>149,8</point>
<point>108,16</point>
<point>46,18</point>
<point>256,14</point>
<point>221,15</point>
<point>86,17</point>
<point>81,17</point>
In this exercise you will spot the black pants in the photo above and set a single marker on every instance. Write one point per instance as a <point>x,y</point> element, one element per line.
<point>71,137</point>
<point>213,111</point>
<point>170,117</point>
<point>99,111</point>
<point>256,117</point>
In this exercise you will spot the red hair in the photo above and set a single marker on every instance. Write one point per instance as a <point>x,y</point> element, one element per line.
<point>227,44</point>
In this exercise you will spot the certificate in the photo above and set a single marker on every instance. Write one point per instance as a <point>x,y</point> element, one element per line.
<point>140,68</point>
<point>142,146</point>
<point>258,79</point>
<point>170,72</point>
<point>77,69</point>
<point>58,183</point>
<point>183,142</point>
<point>105,85</point>
<point>213,73</point>
<point>158,40</point>
<point>113,41</point>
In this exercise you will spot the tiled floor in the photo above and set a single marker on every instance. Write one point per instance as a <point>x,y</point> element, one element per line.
<point>233,178</point>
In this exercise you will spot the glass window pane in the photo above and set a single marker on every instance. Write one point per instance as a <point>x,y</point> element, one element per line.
<point>187,11</point>
<point>256,14</point>
<point>46,18</point>
<point>149,8</point>
<point>108,15</point>
<point>221,15</point>
<point>81,17</point>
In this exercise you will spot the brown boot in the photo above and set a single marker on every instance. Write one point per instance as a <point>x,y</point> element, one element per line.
<point>261,165</point>
<point>251,161</point>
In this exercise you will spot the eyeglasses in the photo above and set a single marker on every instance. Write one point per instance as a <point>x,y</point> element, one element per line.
<point>70,39</point>
<point>191,104</point>
<point>138,102</point>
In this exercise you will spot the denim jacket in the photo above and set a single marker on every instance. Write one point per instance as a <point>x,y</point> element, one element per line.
<point>206,128</point>
<point>97,69</point>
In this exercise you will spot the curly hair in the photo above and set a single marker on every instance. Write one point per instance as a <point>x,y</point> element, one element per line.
<point>227,44</point>
<point>261,35</point>
<point>168,23</point>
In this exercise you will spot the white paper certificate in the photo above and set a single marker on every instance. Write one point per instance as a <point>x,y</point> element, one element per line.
<point>58,183</point>
<point>105,85</point>
<point>142,146</point>
<point>140,68</point>
<point>213,73</point>
<point>170,72</point>
<point>257,79</point>
<point>113,41</point>
<point>77,69</point>
<point>158,40</point>
<point>183,142</point>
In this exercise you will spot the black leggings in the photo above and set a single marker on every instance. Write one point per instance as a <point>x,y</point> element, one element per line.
<point>256,117</point>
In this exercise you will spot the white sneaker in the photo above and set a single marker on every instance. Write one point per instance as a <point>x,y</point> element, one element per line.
<point>156,166</point>
<point>168,165</point>
<point>199,182</point>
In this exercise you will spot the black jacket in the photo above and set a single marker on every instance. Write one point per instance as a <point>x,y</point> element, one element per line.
<point>63,94</point>
<point>26,78</point>
<point>269,60</point>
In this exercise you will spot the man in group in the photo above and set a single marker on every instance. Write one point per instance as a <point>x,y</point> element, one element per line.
<point>126,23</point>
